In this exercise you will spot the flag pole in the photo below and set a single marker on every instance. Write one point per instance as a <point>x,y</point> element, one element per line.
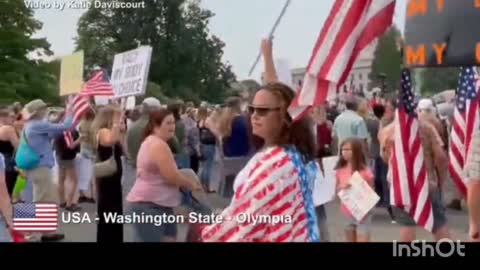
<point>277,22</point>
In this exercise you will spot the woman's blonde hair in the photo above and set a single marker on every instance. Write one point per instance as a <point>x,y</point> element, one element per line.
<point>225,122</point>
<point>103,119</point>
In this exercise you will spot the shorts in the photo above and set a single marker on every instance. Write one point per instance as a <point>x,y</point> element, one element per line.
<point>361,227</point>
<point>439,212</point>
<point>66,164</point>
<point>44,189</point>
<point>149,232</point>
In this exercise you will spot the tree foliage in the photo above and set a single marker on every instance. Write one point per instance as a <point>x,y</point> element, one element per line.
<point>186,59</point>
<point>23,76</point>
<point>387,60</point>
<point>436,80</point>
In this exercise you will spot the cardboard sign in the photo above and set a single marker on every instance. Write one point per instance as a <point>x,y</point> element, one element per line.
<point>359,198</point>
<point>71,74</point>
<point>130,72</point>
<point>442,33</point>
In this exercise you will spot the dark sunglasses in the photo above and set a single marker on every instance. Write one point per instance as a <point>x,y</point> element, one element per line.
<point>261,111</point>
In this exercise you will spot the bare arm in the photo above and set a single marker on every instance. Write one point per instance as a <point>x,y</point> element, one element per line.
<point>5,205</point>
<point>13,137</point>
<point>270,75</point>
<point>163,157</point>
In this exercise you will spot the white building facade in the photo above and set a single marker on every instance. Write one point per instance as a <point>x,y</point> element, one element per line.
<point>359,78</point>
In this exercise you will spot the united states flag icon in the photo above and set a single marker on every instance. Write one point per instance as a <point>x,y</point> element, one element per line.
<point>35,217</point>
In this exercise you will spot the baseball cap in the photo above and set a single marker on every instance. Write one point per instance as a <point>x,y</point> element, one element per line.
<point>426,104</point>
<point>152,102</point>
<point>34,107</point>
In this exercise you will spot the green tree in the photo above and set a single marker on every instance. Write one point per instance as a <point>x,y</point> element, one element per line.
<point>387,60</point>
<point>23,76</point>
<point>186,60</point>
<point>436,80</point>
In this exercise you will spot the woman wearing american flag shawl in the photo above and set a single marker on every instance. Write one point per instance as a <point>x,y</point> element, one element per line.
<point>273,194</point>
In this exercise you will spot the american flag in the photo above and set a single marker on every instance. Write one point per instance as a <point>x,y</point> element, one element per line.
<point>410,187</point>
<point>35,217</point>
<point>274,172</point>
<point>350,28</point>
<point>465,122</point>
<point>98,85</point>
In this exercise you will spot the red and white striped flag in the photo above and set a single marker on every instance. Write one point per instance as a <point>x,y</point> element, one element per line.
<point>465,122</point>
<point>350,28</point>
<point>410,186</point>
<point>98,85</point>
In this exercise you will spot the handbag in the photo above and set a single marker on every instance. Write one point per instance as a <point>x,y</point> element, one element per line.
<point>105,168</point>
<point>26,158</point>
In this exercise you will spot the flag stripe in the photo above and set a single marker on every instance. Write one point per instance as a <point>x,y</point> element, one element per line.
<point>465,123</point>
<point>350,27</point>
<point>410,186</point>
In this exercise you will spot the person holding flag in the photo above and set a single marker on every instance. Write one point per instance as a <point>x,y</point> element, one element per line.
<point>35,153</point>
<point>467,138</point>
<point>415,172</point>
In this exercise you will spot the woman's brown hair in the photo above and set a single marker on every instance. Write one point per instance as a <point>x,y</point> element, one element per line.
<point>156,119</point>
<point>297,133</point>
<point>359,161</point>
<point>202,114</point>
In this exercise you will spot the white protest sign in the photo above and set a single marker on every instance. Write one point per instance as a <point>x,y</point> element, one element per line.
<point>130,103</point>
<point>324,188</point>
<point>130,72</point>
<point>359,198</point>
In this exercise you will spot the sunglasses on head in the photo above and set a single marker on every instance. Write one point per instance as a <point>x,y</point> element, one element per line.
<point>261,111</point>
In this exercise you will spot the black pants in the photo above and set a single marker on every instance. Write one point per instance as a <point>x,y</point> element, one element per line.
<point>381,184</point>
<point>11,179</point>
<point>109,199</point>
<point>194,163</point>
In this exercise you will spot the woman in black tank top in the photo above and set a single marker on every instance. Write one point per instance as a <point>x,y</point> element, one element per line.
<point>8,143</point>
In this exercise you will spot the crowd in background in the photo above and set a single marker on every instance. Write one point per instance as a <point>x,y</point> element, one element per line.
<point>168,145</point>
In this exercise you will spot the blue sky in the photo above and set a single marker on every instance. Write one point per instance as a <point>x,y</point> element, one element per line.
<point>241,24</point>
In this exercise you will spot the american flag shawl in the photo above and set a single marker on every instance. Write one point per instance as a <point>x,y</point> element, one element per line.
<point>279,184</point>
<point>410,186</point>
<point>465,123</point>
<point>350,28</point>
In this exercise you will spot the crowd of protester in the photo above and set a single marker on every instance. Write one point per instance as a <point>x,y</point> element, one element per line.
<point>175,149</point>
